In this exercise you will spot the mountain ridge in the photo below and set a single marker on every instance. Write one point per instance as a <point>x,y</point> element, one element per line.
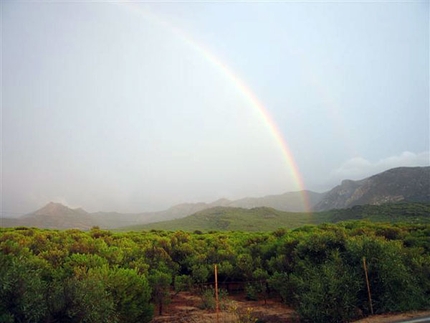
<point>410,184</point>
<point>394,185</point>
<point>269,219</point>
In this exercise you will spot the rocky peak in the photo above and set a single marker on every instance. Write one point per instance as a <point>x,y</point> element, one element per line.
<point>409,184</point>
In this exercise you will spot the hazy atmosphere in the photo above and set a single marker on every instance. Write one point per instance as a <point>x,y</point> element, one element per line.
<point>136,107</point>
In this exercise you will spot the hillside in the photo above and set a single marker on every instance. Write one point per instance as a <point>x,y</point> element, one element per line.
<point>403,184</point>
<point>291,201</point>
<point>269,219</point>
<point>57,216</point>
<point>233,219</point>
<point>416,213</point>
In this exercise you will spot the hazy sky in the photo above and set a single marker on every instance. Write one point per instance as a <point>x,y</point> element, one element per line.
<point>139,106</point>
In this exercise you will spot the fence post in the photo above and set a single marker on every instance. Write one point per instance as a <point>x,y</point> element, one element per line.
<point>368,285</point>
<point>216,294</point>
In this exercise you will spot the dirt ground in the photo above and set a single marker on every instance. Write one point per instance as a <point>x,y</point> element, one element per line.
<point>187,308</point>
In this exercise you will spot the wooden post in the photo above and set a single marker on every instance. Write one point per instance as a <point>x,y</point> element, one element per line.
<point>216,294</point>
<point>368,285</point>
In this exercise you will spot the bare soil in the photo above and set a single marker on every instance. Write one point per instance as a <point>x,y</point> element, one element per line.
<point>186,307</point>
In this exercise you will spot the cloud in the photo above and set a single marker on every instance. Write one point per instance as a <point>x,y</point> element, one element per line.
<point>359,167</point>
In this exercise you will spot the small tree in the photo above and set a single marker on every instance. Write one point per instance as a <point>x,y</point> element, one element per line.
<point>160,283</point>
<point>327,292</point>
<point>260,277</point>
<point>200,273</point>
<point>183,283</point>
<point>131,294</point>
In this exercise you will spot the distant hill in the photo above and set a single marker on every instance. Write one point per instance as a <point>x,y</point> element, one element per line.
<point>56,216</point>
<point>269,219</point>
<point>403,184</point>
<point>291,201</point>
<point>222,218</point>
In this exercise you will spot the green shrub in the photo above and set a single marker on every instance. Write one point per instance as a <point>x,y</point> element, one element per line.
<point>326,292</point>
<point>183,283</point>
<point>209,299</point>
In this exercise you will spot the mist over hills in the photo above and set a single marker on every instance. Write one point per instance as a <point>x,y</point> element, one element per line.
<point>290,201</point>
<point>404,184</point>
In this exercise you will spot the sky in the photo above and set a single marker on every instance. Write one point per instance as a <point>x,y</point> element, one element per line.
<point>139,106</point>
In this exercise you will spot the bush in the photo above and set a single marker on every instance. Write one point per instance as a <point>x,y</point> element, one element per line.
<point>251,292</point>
<point>209,299</point>
<point>394,285</point>
<point>22,290</point>
<point>327,292</point>
<point>183,283</point>
<point>82,299</point>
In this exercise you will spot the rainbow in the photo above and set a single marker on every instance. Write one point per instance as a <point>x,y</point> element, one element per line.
<point>261,110</point>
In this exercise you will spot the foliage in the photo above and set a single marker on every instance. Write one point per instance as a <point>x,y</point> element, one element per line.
<point>183,283</point>
<point>208,298</point>
<point>160,282</point>
<point>131,294</point>
<point>80,299</point>
<point>21,290</point>
<point>102,276</point>
<point>327,292</point>
<point>390,212</point>
<point>243,316</point>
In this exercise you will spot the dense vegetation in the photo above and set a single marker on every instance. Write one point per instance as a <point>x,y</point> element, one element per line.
<point>268,219</point>
<point>235,219</point>
<point>102,276</point>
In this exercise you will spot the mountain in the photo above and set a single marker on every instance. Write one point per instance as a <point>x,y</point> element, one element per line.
<point>269,219</point>
<point>177,211</point>
<point>291,201</point>
<point>226,218</point>
<point>403,184</point>
<point>57,216</point>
